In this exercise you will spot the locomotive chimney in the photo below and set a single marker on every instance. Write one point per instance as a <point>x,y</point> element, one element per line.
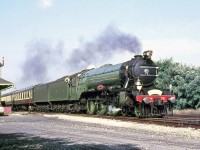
<point>2,61</point>
<point>147,54</point>
<point>1,65</point>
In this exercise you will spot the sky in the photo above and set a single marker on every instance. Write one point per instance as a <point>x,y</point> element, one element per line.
<point>171,28</point>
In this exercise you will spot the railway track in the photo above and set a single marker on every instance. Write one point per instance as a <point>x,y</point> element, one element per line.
<point>186,121</point>
<point>174,121</point>
<point>177,121</point>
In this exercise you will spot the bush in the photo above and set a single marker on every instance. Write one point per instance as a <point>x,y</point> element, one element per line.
<point>185,81</point>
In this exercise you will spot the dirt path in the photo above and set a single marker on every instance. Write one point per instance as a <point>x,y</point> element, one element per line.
<point>39,132</point>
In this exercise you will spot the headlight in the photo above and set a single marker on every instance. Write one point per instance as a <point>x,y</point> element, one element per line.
<point>146,100</point>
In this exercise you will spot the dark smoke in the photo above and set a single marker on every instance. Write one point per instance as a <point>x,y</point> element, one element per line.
<point>41,57</point>
<point>45,62</point>
<point>110,41</point>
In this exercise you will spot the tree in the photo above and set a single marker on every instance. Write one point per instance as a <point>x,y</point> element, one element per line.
<point>184,79</point>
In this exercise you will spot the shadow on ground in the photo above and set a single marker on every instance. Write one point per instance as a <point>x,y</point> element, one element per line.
<point>20,141</point>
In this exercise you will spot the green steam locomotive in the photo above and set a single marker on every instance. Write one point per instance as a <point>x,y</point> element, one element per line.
<point>126,88</point>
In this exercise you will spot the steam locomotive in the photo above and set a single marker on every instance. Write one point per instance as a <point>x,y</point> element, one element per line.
<point>126,88</point>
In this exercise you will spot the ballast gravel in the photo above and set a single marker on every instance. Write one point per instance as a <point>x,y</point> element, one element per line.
<point>59,131</point>
<point>156,129</point>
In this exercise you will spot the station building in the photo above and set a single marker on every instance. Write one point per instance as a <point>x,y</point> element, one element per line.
<point>4,84</point>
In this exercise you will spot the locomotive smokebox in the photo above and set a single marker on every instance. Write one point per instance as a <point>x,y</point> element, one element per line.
<point>140,68</point>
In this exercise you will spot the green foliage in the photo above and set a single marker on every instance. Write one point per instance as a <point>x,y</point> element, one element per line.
<point>185,81</point>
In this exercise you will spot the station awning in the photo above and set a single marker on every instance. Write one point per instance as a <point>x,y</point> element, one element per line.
<point>4,84</point>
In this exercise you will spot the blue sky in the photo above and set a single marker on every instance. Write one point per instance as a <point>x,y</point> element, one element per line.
<point>171,28</point>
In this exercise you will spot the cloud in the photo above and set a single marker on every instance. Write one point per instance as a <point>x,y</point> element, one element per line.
<point>45,3</point>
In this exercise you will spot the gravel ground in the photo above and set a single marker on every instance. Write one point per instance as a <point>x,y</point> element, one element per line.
<point>49,132</point>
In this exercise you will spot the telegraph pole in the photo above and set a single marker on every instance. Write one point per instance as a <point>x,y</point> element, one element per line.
<point>1,65</point>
